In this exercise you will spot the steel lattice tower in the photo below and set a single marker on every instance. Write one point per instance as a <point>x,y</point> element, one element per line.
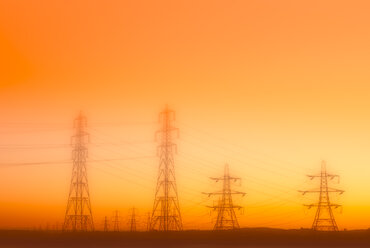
<point>226,218</point>
<point>324,218</point>
<point>132,220</point>
<point>148,222</point>
<point>166,214</point>
<point>106,224</point>
<point>116,221</point>
<point>78,215</point>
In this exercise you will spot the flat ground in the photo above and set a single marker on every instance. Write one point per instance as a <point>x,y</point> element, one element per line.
<point>241,238</point>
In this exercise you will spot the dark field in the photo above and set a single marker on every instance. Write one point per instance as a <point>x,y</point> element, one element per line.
<point>241,238</point>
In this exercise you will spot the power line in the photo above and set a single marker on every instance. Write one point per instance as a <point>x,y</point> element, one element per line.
<point>68,161</point>
<point>55,146</point>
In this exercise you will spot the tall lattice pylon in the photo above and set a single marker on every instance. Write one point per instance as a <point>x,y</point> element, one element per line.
<point>106,224</point>
<point>166,214</point>
<point>78,215</point>
<point>226,218</point>
<point>132,220</point>
<point>116,221</point>
<point>324,218</point>
<point>148,222</point>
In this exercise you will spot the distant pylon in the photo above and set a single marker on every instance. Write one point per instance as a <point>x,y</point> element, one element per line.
<point>78,215</point>
<point>166,214</point>
<point>148,222</point>
<point>106,224</point>
<point>324,218</point>
<point>116,221</point>
<point>132,220</point>
<point>226,218</point>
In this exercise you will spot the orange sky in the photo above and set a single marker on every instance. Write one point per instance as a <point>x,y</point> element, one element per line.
<point>271,87</point>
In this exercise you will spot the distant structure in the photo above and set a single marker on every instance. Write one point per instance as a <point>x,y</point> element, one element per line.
<point>116,221</point>
<point>226,218</point>
<point>132,220</point>
<point>148,222</point>
<point>324,218</point>
<point>166,214</point>
<point>78,215</point>
<point>106,224</point>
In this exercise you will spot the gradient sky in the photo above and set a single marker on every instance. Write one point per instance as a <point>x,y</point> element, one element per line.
<point>270,87</point>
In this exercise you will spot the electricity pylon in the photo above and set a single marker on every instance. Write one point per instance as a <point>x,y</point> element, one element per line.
<point>324,218</point>
<point>78,215</point>
<point>116,221</point>
<point>148,222</point>
<point>132,220</point>
<point>226,218</point>
<point>166,214</point>
<point>106,224</point>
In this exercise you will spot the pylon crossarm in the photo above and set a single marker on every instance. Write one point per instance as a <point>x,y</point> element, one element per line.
<point>313,176</point>
<point>231,193</point>
<point>335,205</point>
<point>324,204</point>
<point>205,193</point>
<point>225,207</point>
<point>213,193</point>
<point>225,178</point>
<point>332,176</point>
<point>238,207</point>
<point>216,178</point>
<point>238,193</point>
<point>310,205</point>
<point>308,191</point>
<point>332,190</point>
<point>213,207</point>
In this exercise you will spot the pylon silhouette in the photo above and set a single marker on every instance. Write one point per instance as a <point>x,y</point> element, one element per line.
<point>116,221</point>
<point>148,222</point>
<point>226,218</point>
<point>324,218</point>
<point>78,215</point>
<point>166,214</point>
<point>132,220</point>
<point>106,224</point>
